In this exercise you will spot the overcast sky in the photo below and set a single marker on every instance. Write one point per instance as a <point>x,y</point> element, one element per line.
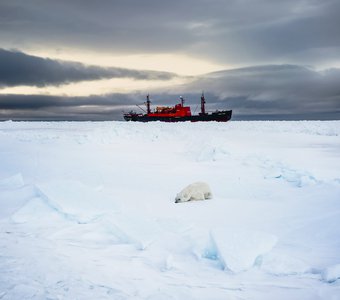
<point>90,60</point>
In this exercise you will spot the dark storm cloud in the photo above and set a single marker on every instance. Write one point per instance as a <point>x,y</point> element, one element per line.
<point>240,32</point>
<point>13,101</point>
<point>307,33</point>
<point>17,68</point>
<point>45,107</point>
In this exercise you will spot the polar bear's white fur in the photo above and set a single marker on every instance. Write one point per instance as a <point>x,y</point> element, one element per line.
<point>194,191</point>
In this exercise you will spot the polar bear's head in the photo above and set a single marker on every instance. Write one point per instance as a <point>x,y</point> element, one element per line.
<point>182,197</point>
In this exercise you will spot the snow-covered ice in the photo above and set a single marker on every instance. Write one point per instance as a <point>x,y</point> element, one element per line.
<point>87,210</point>
<point>238,250</point>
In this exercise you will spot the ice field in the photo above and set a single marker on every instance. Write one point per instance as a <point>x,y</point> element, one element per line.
<point>87,210</point>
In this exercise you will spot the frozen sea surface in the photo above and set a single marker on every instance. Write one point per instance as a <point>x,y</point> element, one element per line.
<point>87,210</point>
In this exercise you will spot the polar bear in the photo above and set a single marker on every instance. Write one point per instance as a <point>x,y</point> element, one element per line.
<point>194,191</point>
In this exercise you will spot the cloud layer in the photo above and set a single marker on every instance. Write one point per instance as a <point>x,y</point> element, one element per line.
<point>281,92</point>
<point>17,68</point>
<point>55,108</point>
<point>273,92</point>
<point>231,32</point>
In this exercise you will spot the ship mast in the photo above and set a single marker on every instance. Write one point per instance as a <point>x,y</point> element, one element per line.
<point>202,104</point>
<point>148,109</point>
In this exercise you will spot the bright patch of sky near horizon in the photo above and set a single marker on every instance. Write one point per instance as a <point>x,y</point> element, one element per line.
<point>169,62</point>
<point>95,87</point>
<point>180,64</point>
